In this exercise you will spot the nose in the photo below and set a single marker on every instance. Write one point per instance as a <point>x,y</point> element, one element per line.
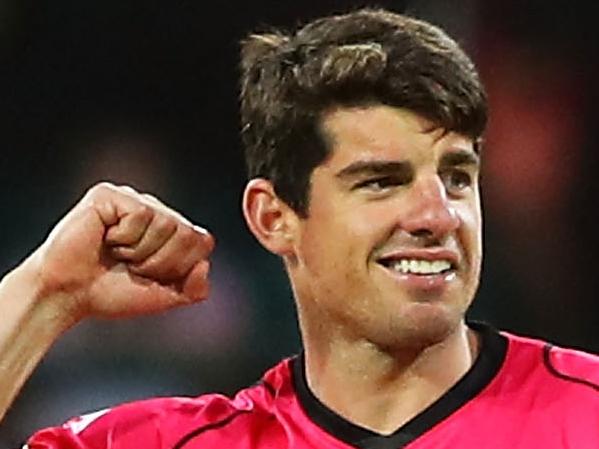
<point>429,213</point>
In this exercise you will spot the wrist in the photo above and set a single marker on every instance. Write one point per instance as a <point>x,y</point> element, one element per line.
<point>26,295</point>
<point>31,323</point>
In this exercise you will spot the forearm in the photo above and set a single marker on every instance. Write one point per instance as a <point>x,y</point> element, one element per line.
<point>29,326</point>
<point>117,253</point>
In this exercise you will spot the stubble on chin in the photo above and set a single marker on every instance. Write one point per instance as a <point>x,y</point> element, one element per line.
<point>416,330</point>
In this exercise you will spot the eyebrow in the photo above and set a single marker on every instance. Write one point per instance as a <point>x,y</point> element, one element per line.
<point>461,157</point>
<point>362,168</point>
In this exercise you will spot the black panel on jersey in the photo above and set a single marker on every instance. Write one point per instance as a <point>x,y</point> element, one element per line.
<point>486,366</point>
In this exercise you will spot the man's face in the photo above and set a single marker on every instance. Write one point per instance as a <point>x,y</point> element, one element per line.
<point>390,251</point>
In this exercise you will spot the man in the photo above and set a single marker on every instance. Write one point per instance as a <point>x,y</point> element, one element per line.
<point>362,137</point>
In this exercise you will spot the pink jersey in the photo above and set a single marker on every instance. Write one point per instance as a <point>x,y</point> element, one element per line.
<point>520,394</point>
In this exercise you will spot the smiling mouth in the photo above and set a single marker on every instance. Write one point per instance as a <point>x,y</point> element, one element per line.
<point>418,267</point>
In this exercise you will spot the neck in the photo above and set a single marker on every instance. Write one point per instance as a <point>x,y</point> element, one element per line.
<point>382,390</point>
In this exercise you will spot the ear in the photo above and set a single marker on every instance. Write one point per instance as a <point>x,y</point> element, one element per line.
<point>269,218</point>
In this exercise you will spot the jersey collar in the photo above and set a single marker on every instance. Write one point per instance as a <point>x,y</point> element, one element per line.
<point>485,368</point>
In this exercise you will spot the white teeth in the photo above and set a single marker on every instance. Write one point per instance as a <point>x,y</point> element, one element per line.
<point>415,266</point>
<point>405,265</point>
<point>420,266</point>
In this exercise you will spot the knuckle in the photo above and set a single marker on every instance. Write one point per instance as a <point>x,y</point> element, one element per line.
<point>152,199</point>
<point>100,189</point>
<point>104,185</point>
<point>207,239</point>
<point>165,225</point>
<point>127,189</point>
<point>187,234</point>
<point>144,211</point>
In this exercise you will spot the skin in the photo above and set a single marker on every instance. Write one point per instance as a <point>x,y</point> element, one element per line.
<point>374,340</point>
<point>117,253</point>
<point>393,183</point>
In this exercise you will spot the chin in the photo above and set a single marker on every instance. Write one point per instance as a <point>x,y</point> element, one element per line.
<point>422,326</point>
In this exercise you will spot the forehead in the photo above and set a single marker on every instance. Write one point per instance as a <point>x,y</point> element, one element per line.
<point>381,131</point>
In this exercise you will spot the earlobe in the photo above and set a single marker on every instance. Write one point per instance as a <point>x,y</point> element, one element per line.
<point>268,217</point>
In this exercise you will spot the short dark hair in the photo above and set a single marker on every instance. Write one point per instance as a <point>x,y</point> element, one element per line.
<point>364,57</point>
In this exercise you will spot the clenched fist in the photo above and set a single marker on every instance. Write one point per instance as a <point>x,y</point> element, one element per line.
<point>120,253</point>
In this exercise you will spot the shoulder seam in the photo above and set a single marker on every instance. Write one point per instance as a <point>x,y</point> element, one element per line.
<point>194,433</point>
<point>269,388</point>
<point>552,370</point>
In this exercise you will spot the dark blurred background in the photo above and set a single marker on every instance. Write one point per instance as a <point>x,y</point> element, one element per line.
<point>145,93</point>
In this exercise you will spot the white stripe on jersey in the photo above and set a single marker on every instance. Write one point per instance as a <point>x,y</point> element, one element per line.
<point>78,425</point>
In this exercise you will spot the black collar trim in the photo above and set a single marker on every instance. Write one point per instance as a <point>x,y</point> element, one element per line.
<point>485,368</point>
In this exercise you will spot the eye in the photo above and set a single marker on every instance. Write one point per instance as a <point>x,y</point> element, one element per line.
<point>457,180</point>
<point>379,184</point>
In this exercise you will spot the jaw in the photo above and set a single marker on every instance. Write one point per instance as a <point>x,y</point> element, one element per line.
<point>392,310</point>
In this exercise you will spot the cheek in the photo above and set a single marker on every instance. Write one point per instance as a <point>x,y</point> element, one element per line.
<point>324,243</point>
<point>336,240</point>
<point>471,232</point>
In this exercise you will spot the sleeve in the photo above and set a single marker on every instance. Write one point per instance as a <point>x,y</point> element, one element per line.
<point>73,434</point>
<point>151,424</point>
